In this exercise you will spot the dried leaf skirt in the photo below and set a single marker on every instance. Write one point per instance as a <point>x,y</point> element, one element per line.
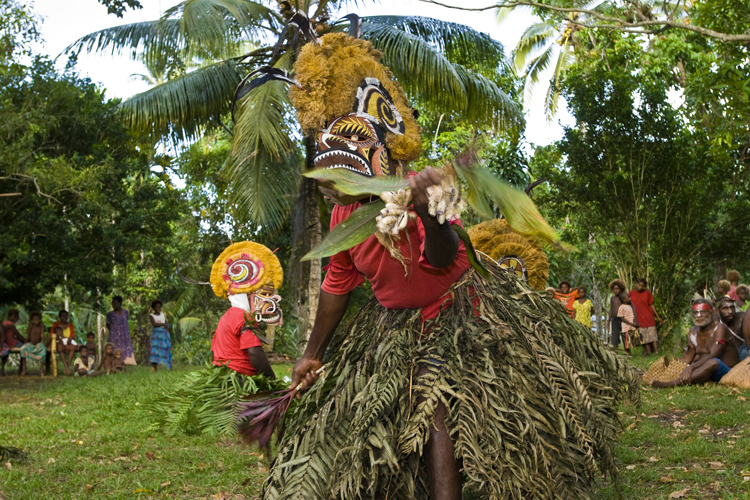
<point>531,398</point>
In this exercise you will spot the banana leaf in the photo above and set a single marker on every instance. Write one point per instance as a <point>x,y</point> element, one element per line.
<point>516,206</point>
<point>354,184</point>
<point>357,228</point>
<point>470,253</point>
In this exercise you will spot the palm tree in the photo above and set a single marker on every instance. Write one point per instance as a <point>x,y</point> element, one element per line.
<point>540,45</point>
<point>556,39</point>
<point>233,37</point>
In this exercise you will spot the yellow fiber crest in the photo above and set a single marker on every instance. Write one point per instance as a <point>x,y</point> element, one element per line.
<point>331,73</point>
<point>244,267</point>
<point>497,240</point>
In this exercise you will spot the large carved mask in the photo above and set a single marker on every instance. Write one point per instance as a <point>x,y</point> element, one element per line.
<point>357,141</point>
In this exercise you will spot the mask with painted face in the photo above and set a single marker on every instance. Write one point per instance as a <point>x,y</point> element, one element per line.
<point>266,306</point>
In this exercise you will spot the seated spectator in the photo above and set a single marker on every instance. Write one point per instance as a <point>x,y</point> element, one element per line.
<point>66,339</point>
<point>34,348</point>
<point>734,279</point>
<point>711,354</point>
<point>742,292</point>
<point>582,306</point>
<point>118,365</point>
<point>626,314</point>
<point>91,344</point>
<point>84,365</point>
<point>13,339</point>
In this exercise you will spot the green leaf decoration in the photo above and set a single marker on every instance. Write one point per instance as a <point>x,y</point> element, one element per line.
<point>357,228</point>
<point>470,253</point>
<point>354,184</point>
<point>518,209</point>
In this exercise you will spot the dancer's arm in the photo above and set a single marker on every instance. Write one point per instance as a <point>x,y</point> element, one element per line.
<point>331,309</point>
<point>440,240</point>
<point>259,360</point>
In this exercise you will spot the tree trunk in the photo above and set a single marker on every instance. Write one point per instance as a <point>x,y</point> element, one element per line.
<point>304,277</point>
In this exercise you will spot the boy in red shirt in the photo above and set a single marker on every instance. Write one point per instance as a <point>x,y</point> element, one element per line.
<point>643,302</point>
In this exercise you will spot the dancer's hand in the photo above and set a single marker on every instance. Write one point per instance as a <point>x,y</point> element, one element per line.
<point>303,374</point>
<point>418,186</point>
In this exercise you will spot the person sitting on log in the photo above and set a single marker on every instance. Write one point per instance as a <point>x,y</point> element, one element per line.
<point>711,353</point>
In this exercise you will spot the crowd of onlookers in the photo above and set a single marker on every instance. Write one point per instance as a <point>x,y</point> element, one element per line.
<point>718,341</point>
<point>37,344</point>
<point>631,319</point>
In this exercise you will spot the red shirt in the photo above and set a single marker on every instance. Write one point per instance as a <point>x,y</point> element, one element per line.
<point>10,334</point>
<point>422,286</point>
<point>229,346</point>
<point>642,302</point>
<point>568,299</point>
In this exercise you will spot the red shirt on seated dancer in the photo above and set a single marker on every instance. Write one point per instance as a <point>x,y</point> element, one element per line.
<point>246,273</point>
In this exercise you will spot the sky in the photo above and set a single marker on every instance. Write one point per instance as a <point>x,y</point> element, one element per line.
<point>67,20</point>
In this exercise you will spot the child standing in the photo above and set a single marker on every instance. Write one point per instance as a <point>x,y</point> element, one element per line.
<point>119,364</point>
<point>91,345</point>
<point>34,348</point>
<point>107,365</point>
<point>84,365</point>
<point>626,314</point>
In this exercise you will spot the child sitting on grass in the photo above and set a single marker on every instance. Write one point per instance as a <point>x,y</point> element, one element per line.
<point>91,345</point>
<point>119,364</point>
<point>84,365</point>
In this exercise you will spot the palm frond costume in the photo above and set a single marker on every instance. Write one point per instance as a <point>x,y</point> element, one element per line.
<point>531,396</point>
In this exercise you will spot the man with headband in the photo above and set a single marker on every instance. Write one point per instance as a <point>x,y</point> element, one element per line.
<point>711,351</point>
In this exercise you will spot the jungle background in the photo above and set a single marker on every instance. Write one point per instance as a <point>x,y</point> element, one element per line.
<point>102,197</point>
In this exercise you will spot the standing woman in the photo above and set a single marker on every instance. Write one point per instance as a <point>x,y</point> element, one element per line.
<point>161,345</point>
<point>119,330</point>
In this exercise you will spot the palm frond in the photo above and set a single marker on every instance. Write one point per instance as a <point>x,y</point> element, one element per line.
<point>265,162</point>
<point>488,104</point>
<point>458,42</point>
<point>535,38</point>
<point>429,77</point>
<point>185,103</point>
<point>539,64</point>
<point>218,26</point>
<point>420,68</point>
<point>552,99</point>
<point>203,28</point>
<point>135,40</point>
<point>188,324</point>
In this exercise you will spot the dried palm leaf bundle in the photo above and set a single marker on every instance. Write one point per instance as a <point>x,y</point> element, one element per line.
<point>738,376</point>
<point>205,401</point>
<point>511,250</point>
<point>664,369</point>
<point>531,396</point>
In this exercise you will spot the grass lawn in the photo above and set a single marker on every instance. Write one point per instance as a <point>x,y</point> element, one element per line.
<point>86,439</point>
<point>688,442</point>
